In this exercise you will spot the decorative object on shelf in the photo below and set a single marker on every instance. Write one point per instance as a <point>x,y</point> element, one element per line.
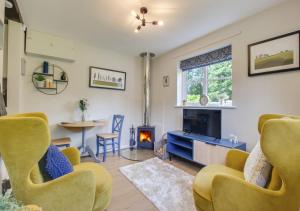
<point>83,106</point>
<point>45,67</point>
<point>166,82</point>
<point>40,80</point>
<point>278,54</point>
<point>222,99</point>
<point>142,19</point>
<point>63,76</point>
<point>132,141</point>
<point>49,83</point>
<point>183,102</point>
<point>203,100</point>
<point>233,139</point>
<point>107,78</point>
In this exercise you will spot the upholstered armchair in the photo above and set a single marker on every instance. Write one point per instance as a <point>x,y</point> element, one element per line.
<point>223,188</point>
<point>24,139</point>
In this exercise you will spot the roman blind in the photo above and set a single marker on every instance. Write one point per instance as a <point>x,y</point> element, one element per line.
<point>213,57</point>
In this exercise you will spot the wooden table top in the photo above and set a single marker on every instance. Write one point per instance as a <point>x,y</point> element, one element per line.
<point>85,124</point>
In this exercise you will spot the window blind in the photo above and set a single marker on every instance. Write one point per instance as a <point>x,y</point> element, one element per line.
<point>213,57</point>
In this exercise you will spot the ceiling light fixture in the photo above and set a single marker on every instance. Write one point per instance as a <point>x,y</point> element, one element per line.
<point>141,17</point>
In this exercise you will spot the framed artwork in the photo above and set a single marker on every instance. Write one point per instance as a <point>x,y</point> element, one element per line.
<point>166,82</point>
<point>107,78</point>
<point>278,54</point>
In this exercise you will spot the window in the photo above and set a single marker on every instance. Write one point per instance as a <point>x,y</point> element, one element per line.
<point>208,74</point>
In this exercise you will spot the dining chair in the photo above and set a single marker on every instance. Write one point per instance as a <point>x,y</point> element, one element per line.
<point>112,138</point>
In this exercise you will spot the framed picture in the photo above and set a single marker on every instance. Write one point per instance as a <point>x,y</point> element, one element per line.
<point>166,82</point>
<point>278,54</point>
<point>107,79</point>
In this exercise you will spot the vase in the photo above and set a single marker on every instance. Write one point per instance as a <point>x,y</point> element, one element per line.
<point>83,116</point>
<point>45,67</point>
<point>40,84</point>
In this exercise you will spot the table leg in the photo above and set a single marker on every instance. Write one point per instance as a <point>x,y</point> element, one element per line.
<point>87,148</point>
<point>92,154</point>
<point>83,140</point>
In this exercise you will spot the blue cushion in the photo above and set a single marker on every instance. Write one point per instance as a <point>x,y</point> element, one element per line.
<point>57,164</point>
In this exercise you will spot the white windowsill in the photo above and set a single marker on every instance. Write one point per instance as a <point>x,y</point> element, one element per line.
<point>206,107</point>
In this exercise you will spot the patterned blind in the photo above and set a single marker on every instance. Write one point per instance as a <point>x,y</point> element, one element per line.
<point>213,57</point>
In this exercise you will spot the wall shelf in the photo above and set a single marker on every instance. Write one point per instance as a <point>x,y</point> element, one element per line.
<point>54,75</point>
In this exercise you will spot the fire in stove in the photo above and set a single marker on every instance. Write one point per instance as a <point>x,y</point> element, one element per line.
<point>145,136</point>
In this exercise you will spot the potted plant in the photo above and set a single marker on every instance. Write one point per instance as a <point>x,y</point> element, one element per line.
<point>83,106</point>
<point>7,202</point>
<point>40,80</point>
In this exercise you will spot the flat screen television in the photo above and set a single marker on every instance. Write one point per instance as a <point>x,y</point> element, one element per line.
<point>202,122</point>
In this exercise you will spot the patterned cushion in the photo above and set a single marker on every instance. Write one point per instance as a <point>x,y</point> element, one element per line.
<point>56,164</point>
<point>257,169</point>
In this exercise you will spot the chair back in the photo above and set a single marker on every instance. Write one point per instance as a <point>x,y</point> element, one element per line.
<point>24,139</point>
<point>117,124</point>
<point>280,142</point>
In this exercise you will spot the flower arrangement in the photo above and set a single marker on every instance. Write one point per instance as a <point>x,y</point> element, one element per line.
<point>83,106</point>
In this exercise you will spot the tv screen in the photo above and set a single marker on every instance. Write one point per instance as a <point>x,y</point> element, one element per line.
<point>202,122</point>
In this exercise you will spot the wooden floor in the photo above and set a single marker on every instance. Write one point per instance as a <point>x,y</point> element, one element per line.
<point>125,196</point>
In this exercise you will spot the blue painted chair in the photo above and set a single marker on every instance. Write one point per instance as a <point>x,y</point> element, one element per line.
<point>113,138</point>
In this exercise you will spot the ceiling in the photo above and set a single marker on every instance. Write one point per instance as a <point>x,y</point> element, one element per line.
<point>109,23</point>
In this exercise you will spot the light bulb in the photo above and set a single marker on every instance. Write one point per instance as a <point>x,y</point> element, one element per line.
<point>160,23</point>
<point>136,31</point>
<point>133,13</point>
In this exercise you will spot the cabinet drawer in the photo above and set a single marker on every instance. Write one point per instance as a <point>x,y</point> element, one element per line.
<point>209,154</point>
<point>201,152</point>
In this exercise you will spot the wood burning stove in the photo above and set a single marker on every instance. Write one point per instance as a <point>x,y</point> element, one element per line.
<point>145,137</point>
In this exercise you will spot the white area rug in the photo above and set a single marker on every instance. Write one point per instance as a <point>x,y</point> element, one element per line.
<point>167,187</point>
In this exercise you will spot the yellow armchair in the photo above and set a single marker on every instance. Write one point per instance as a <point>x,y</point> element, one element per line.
<point>223,188</point>
<point>24,139</point>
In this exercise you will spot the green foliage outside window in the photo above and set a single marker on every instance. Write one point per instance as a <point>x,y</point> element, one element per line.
<point>218,79</point>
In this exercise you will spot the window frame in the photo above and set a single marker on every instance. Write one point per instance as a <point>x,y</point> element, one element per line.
<point>182,90</point>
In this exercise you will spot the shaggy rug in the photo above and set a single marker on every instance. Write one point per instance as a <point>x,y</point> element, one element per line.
<point>167,187</point>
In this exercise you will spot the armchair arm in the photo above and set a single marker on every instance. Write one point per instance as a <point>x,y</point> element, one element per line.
<point>231,193</point>
<point>236,159</point>
<point>74,191</point>
<point>73,154</point>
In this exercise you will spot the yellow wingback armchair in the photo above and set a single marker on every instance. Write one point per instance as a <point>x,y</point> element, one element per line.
<point>24,139</point>
<point>223,188</point>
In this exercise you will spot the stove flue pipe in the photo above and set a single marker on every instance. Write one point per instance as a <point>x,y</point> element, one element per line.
<point>146,67</point>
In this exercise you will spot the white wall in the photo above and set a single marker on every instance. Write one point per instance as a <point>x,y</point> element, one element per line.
<point>15,51</point>
<point>103,103</point>
<point>253,96</point>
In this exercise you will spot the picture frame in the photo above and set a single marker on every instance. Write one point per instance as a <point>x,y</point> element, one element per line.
<point>104,78</point>
<point>274,55</point>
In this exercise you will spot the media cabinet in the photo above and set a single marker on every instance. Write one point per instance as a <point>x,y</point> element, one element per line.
<point>200,149</point>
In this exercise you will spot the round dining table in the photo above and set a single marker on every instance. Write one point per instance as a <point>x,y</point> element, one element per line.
<point>83,126</point>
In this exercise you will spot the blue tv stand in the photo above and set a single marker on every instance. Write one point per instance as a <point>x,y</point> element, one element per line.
<point>200,149</point>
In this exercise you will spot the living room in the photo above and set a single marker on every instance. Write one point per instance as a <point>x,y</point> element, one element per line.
<point>155,105</point>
